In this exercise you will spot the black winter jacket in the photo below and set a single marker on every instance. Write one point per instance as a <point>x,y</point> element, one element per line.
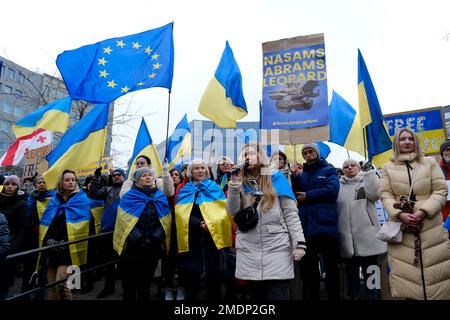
<point>15,208</point>
<point>5,245</point>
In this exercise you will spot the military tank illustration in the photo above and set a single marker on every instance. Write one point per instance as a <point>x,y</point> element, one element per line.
<point>295,96</point>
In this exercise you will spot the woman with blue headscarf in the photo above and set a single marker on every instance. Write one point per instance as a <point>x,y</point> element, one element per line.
<point>141,234</point>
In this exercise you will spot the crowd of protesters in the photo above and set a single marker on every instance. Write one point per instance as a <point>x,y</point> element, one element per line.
<point>256,230</point>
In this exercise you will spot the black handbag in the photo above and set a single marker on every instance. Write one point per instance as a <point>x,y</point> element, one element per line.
<point>247,218</point>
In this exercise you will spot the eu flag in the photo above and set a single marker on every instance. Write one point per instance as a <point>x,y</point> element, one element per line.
<point>103,71</point>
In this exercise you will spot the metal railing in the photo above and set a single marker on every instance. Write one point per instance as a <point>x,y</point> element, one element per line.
<point>42,285</point>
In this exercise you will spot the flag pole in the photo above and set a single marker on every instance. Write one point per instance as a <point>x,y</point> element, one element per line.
<point>212,139</point>
<point>365,145</point>
<point>167,127</point>
<point>348,153</point>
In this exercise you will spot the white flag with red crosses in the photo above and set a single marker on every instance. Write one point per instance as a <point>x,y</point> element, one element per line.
<point>37,139</point>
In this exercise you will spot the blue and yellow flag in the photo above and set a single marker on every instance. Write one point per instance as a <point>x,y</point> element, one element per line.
<point>108,69</point>
<point>52,117</point>
<point>130,209</point>
<point>223,100</point>
<point>379,146</point>
<point>78,217</point>
<point>41,204</point>
<point>211,201</point>
<point>180,143</point>
<point>144,146</point>
<point>83,143</point>
<point>280,185</point>
<point>294,152</point>
<point>97,210</point>
<point>345,125</point>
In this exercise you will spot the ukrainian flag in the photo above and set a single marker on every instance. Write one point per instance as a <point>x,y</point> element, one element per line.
<point>324,151</point>
<point>130,209</point>
<point>42,203</point>
<point>379,145</point>
<point>223,100</point>
<point>52,117</point>
<point>98,209</point>
<point>78,217</point>
<point>83,143</point>
<point>345,125</point>
<point>211,201</point>
<point>144,146</point>
<point>180,143</point>
<point>280,185</point>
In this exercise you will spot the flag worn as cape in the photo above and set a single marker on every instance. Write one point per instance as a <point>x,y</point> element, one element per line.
<point>130,209</point>
<point>78,217</point>
<point>211,201</point>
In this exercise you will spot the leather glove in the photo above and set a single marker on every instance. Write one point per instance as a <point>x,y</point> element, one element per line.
<point>367,166</point>
<point>298,254</point>
<point>165,166</point>
<point>98,172</point>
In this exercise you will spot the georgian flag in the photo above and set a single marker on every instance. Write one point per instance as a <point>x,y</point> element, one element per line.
<point>37,139</point>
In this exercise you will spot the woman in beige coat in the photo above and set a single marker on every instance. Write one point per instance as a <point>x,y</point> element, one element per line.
<point>420,264</point>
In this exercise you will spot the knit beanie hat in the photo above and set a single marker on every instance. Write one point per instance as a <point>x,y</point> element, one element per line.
<point>12,179</point>
<point>444,145</point>
<point>121,171</point>
<point>38,179</point>
<point>139,172</point>
<point>311,146</point>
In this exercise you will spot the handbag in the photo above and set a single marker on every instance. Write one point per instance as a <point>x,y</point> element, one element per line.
<point>391,232</point>
<point>246,219</point>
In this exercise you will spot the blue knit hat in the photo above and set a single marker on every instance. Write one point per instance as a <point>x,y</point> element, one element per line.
<point>121,171</point>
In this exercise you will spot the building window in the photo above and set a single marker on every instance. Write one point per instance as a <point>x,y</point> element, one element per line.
<point>20,78</point>
<point>4,125</point>
<point>18,93</point>
<point>11,74</point>
<point>8,107</point>
<point>60,94</point>
<point>18,111</point>
<point>3,69</point>
<point>7,89</point>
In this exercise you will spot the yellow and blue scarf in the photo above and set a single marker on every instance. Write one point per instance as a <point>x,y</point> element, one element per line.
<point>212,202</point>
<point>130,209</point>
<point>280,184</point>
<point>78,217</point>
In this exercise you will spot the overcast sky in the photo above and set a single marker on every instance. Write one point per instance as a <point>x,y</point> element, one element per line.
<point>404,44</point>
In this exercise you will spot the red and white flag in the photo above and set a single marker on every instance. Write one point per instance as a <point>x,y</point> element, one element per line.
<point>37,139</point>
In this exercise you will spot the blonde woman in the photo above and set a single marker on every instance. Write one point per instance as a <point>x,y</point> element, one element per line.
<point>203,228</point>
<point>420,264</point>
<point>265,254</point>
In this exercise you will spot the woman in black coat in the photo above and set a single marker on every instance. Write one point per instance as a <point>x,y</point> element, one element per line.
<point>5,248</point>
<point>13,204</point>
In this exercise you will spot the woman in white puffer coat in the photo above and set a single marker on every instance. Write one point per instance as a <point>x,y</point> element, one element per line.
<point>358,225</point>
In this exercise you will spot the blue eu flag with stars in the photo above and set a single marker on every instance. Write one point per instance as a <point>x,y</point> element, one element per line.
<point>103,71</point>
